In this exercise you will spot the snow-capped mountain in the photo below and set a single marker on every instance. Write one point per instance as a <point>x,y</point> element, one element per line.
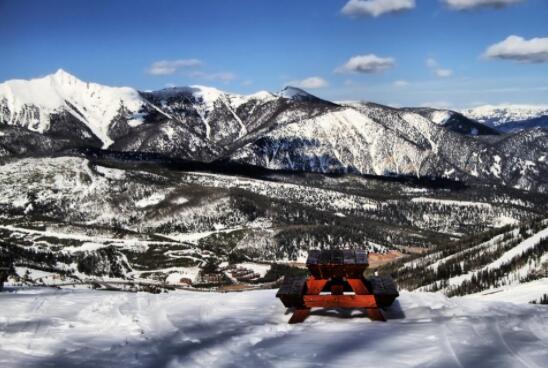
<point>510,117</point>
<point>454,121</point>
<point>499,114</point>
<point>297,94</point>
<point>37,104</point>
<point>374,139</point>
<point>291,130</point>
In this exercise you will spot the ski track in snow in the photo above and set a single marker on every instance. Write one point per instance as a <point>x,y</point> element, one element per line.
<point>85,328</point>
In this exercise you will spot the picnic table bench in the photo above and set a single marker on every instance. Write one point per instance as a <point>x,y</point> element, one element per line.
<point>334,272</point>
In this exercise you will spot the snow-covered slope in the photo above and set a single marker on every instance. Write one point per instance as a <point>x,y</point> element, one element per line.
<point>297,94</point>
<point>220,112</point>
<point>31,103</point>
<point>84,328</point>
<point>374,139</point>
<point>172,221</point>
<point>342,140</point>
<point>454,121</point>
<point>511,257</point>
<point>521,293</point>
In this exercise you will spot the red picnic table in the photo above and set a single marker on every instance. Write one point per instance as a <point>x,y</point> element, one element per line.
<point>334,272</point>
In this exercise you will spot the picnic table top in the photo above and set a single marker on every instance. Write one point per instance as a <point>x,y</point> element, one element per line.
<point>337,257</point>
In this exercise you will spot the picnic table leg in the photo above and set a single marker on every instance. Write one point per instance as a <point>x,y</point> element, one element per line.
<point>313,287</point>
<point>299,315</point>
<point>375,314</point>
<point>360,289</point>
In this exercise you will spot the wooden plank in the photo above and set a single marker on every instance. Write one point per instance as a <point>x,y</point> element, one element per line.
<point>315,286</point>
<point>292,290</point>
<point>325,271</point>
<point>339,301</point>
<point>382,285</point>
<point>384,288</point>
<point>361,256</point>
<point>358,286</point>
<point>330,263</point>
<point>349,256</point>
<point>325,257</point>
<point>337,257</point>
<point>292,285</point>
<point>313,257</point>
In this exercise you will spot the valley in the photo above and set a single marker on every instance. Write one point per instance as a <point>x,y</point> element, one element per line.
<point>196,188</point>
<point>82,220</point>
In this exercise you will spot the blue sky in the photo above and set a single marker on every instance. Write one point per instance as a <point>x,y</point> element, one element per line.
<point>426,52</point>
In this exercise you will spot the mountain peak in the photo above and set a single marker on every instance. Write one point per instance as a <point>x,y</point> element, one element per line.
<point>300,95</point>
<point>262,95</point>
<point>62,72</point>
<point>208,94</point>
<point>294,93</point>
<point>63,77</point>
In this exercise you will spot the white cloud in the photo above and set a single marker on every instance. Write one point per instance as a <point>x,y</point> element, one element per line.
<point>519,49</point>
<point>474,4</point>
<point>309,83</point>
<point>431,63</point>
<point>225,77</point>
<point>437,69</point>
<point>401,83</point>
<point>168,67</point>
<point>375,8</point>
<point>443,73</point>
<point>246,83</point>
<point>366,64</point>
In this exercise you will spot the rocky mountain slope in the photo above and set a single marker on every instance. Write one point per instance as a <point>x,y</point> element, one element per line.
<point>292,130</point>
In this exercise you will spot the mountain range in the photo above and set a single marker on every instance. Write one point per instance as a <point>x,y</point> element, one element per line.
<point>290,130</point>
<point>510,118</point>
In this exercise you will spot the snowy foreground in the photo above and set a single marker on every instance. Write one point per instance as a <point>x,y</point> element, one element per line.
<point>85,328</point>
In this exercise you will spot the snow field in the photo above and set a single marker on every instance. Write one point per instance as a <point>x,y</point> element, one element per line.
<point>65,328</point>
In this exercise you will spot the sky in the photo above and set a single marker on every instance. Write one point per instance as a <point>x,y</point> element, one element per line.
<point>443,53</point>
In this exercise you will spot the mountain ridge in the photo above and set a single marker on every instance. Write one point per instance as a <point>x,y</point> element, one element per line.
<point>290,130</point>
<point>509,117</point>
